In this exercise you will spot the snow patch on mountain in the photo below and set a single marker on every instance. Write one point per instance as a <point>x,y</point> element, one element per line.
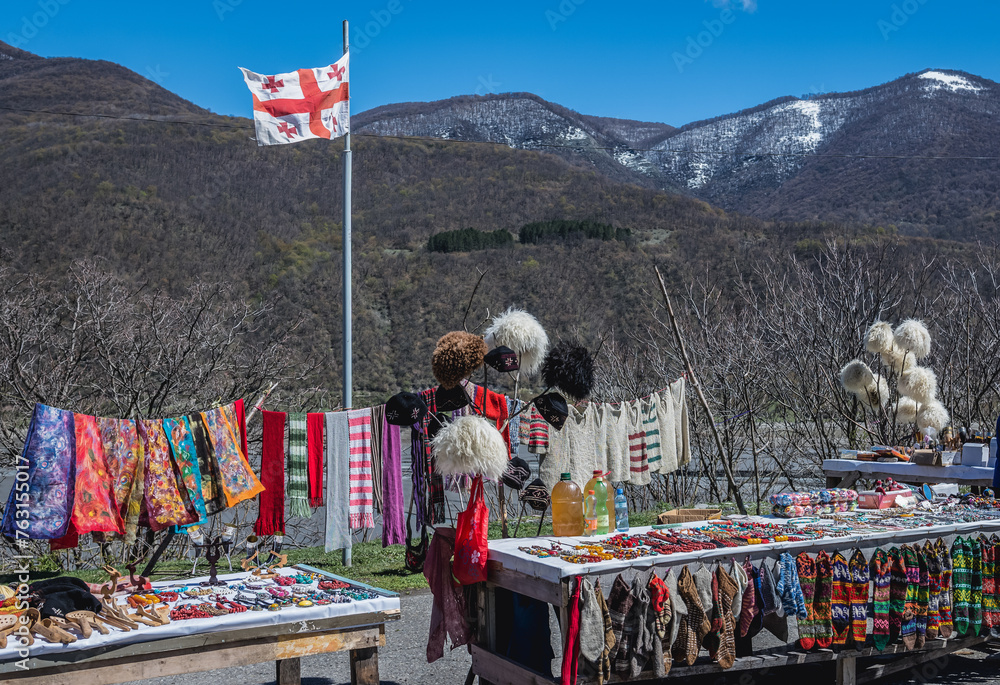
<point>939,80</point>
<point>4,55</point>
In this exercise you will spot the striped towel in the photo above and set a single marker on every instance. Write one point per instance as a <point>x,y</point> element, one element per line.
<point>361,513</point>
<point>298,466</point>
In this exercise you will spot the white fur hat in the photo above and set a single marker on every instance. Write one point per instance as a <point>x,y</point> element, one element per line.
<point>898,360</point>
<point>912,335</point>
<point>470,444</point>
<point>876,394</point>
<point>521,332</point>
<point>920,383</point>
<point>856,376</point>
<point>878,339</point>
<point>932,415</point>
<point>906,410</point>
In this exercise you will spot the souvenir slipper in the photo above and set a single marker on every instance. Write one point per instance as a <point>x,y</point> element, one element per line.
<point>142,618</point>
<point>114,615</point>
<point>8,624</point>
<point>151,614</point>
<point>87,622</point>
<point>46,627</point>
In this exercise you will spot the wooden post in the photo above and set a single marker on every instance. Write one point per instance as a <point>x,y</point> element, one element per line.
<point>288,671</point>
<point>364,666</point>
<point>847,670</point>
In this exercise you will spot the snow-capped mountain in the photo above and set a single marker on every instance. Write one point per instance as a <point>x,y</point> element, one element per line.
<point>833,156</point>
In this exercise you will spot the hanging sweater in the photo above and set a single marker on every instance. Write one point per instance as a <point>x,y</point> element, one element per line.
<point>668,430</point>
<point>649,407</point>
<point>638,458</point>
<point>615,418</point>
<point>573,449</point>
<point>681,422</point>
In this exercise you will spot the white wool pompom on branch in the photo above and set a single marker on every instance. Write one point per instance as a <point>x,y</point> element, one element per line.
<point>521,332</point>
<point>470,444</point>
<point>906,410</point>
<point>879,339</point>
<point>856,376</point>
<point>876,394</point>
<point>920,383</point>
<point>898,360</point>
<point>912,335</point>
<point>932,415</point>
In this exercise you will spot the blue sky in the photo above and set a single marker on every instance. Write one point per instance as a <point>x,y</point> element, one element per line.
<point>674,61</point>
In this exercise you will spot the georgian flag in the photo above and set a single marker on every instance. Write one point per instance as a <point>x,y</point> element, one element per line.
<point>308,103</point>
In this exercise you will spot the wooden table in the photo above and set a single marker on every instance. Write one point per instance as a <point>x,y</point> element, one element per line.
<point>843,473</point>
<point>283,643</point>
<point>550,582</point>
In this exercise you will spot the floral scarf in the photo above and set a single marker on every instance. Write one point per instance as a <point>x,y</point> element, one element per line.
<point>166,503</point>
<point>186,458</point>
<point>94,508</point>
<point>238,481</point>
<point>47,488</point>
<point>124,455</point>
<point>211,485</point>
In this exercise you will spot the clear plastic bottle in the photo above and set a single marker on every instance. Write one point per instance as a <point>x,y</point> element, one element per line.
<point>567,508</point>
<point>621,511</point>
<point>590,513</point>
<point>605,501</point>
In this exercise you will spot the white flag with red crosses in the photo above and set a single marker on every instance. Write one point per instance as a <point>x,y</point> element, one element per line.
<point>303,104</point>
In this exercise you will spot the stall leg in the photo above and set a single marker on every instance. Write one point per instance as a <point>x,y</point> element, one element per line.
<point>364,666</point>
<point>288,671</point>
<point>847,670</point>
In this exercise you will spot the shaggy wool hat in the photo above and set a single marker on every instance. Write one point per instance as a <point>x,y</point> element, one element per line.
<point>553,408</point>
<point>521,332</point>
<point>932,415</point>
<point>457,355</point>
<point>405,409</point>
<point>856,376</point>
<point>470,444</point>
<point>912,335</point>
<point>535,495</point>
<point>516,474</point>
<point>906,410</point>
<point>920,383</point>
<point>876,394</point>
<point>878,339</point>
<point>570,368</point>
<point>450,399</point>
<point>898,360</point>
<point>502,358</point>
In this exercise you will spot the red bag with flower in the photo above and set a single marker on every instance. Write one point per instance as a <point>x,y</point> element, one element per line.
<point>471,546</point>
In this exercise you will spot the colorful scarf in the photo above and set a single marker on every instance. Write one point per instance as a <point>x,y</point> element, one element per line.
<point>361,514</point>
<point>165,503</point>
<point>239,418</point>
<point>271,509</point>
<point>378,422</point>
<point>211,481</point>
<point>186,458</point>
<point>393,531</point>
<point>314,445</point>
<point>298,467</point>
<point>123,453</point>
<point>94,507</point>
<point>238,481</point>
<point>46,492</point>
<point>434,511</point>
<point>961,582</point>
<point>538,432</point>
<point>338,535</point>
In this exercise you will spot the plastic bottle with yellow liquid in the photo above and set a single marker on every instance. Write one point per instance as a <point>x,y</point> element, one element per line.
<point>567,508</point>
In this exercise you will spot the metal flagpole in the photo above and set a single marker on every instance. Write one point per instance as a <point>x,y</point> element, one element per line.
<point>347,269</point>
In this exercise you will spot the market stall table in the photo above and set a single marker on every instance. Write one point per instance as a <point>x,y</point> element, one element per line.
<point>189,646</point>
<point>548,580</point>
<point>842,473</point>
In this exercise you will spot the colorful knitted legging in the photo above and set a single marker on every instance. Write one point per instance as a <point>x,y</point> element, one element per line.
<point>881,574</point>
<point>990,615</point>
<point>933,590</point>
<point>961,583</point>
<point>897,593</point>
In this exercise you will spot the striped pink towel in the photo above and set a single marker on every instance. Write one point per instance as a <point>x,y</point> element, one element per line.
<point>361,511</point>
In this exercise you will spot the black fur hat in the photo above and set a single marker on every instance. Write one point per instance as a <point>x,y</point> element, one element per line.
<point>570,368</point>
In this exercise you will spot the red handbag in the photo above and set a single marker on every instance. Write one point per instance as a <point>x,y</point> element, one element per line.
<point>471,546</point>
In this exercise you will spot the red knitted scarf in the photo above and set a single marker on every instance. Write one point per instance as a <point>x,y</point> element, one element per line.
<point>271,515</point>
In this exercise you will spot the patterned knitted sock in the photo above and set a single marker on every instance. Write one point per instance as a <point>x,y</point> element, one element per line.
<point>806,570</point>
<point>659,601</point>
<point>976,602</point>
<point>750,602</point>
<point>881,576</point>
<point>711,640</point>
<point>620,601</point>
<point>933,590</point>
<point>726,652</point>
<point>822,609</point>
<point>897,593</point>
<point>908,629</point>
<point>923,596</point>
<point>695,625</point>
<point>789,589</point>
<point>858,568</point>
<point>840,601</point>
<point>947,626</point>
<point>961,583</point>
<point>995,545</point>
<point>989,585</point>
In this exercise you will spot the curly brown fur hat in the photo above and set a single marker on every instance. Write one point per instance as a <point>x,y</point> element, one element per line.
<point>457,355</point>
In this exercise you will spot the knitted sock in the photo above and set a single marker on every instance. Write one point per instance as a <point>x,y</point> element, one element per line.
<point>881,576</point>
<point>619,605</point>
<point>769,590</point>
<point>961,583</point>
<point>604,670</point>
<point>726,653</point>
<point>789,589</point>
<point>994,543</point>
<point>858,568</point>
<point>632,660</point>
<point>703,581</point>
<point>806,570</point>
<point>908,628</point>
<point>840,601</point>
<point>897,593</point>
<point>976,602</point>
<point>822,611</point>
<point>923,596</point>
<point>659,605</point>
<point>711,641</point>
<point>947,626</point>
<point>749,610</point>
<point>933,590</point>
<point>989,585</point>
<point>695,625</point>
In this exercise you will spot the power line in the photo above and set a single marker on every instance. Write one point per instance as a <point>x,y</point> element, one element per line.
<point>581,148</point>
